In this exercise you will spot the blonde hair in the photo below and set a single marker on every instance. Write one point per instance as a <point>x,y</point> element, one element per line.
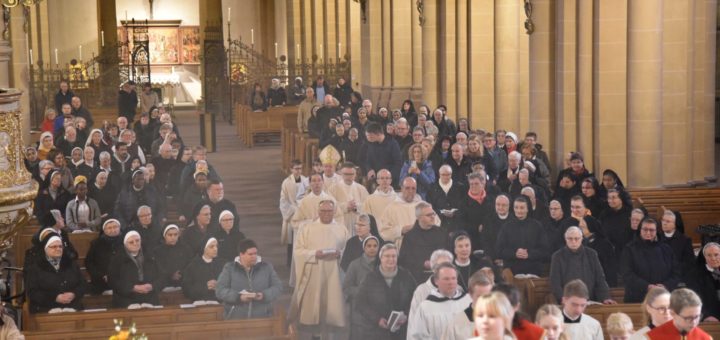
<point>618,324</point>
<point>496,304</point>
<point>650,297</point>
<point>554,312</point>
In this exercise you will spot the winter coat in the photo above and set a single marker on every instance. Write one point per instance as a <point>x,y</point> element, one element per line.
<point>44,283</point>
<point>234,278</point>
<point>375,300</point>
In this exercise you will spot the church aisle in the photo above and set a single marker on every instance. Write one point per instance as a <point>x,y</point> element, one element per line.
<point>252,178</point>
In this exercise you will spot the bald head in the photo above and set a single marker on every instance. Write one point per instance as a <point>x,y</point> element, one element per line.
<point>409,189</point>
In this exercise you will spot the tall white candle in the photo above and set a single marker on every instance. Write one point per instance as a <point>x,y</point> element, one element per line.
<point>31,57</point>
<point>321,51</point>
<point>276,54</point>
<point>228,15</point>
<point>173,69</point>
<point>126,16</point>
<point>56,57</point>
<point>298,51</point>
<point>102,38</point>
<point>252,36</point>
<point>340,50</point>
<point>80,52</point>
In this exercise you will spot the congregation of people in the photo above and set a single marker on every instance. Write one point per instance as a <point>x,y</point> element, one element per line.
<point>122,180</point>
<point>407,221</point>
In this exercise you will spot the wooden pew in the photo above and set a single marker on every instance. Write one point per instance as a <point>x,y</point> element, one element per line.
<point>697,205</point>
<point>80,241</point>
<point>250,124</point>
<point>602,312</point>
<point>191,328</point>
<point>105,301</point>
<point>535,293</point>
<point>101,320</point>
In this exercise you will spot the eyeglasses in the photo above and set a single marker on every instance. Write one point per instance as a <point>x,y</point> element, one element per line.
<point>661,309</point>
<point>55,247</point>
<point>432,214</point>
<point>648,230</point>
<point>692,318</point>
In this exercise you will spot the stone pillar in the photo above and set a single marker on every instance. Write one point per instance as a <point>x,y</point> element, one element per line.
<point>507,61</point>
<point>565,80</point>
<point>677,23</point>
<point>710,63</point>
<point>430,53</point>
<point>585,84</point>
<point>482,68</point>
<point>386,47</point>
<point>461,59</point>
<point>542,87</point>
<point>610,90</point>
<point>354,43</point>
<point>372,52</point>
<point>402,58</point>
<point>447,47</point>
<point>644,94</point>
<point>5,51</point>
<point>416,55</point>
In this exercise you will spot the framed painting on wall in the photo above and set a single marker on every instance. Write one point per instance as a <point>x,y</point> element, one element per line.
<point>163,44</point>
<point>190,41</point>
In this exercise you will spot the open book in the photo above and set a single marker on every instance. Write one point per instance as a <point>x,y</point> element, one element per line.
<point>526,276</point>
<point>249,294</point>
<point>61,310</point>
<point>171,289</point>
<point>396,320</point>
<point>142,305</point>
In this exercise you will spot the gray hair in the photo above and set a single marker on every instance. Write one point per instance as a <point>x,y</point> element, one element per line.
<point>386,247</point>
<point>515,155</point>
<point>419,208</point>
<point>45,162</point>
<point>327,201</point>
<point>364,218</point>
<point>710,245</point>
<point>104,155</point>
<point>143,207</point>
<point>571,229</point>
<point>437,254</point>
<point>527,189</point>
<point>446,168</point>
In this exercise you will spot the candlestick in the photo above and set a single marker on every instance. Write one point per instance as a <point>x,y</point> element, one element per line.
<point>252,36</point>
<point>31,57</point>
<point>56,57</point>
<point>228,15</point>
<point>80,52</point>
<point>102,38</point>
<point>276,51</point>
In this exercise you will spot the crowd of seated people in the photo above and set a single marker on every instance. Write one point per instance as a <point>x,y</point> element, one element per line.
<point>486,197</point>
<point>120,181</point>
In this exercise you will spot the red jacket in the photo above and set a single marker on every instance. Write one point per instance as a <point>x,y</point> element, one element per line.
<point>528,331</point>
<point>667,331</point>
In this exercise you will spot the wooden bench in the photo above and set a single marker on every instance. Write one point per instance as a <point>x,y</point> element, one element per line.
<point>698,206</point>
<point>105,301</point>
<point>102,320</point>
<point>191,326</point>
<point>250,124</point>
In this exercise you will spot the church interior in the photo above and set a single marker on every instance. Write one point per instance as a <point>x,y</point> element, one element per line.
<point>628,88</point>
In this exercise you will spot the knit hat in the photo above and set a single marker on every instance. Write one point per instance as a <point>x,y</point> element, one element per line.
<point>512,135</point>
<point>80,179</point>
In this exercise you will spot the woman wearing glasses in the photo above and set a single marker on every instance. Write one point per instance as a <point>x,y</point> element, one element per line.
<point>54,280</point>
<point>656,311</point>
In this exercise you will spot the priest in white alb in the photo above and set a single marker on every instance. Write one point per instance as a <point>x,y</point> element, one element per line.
<point>350,196</point>
<point>399,217</point>
<point>317,301</point>
<point>293,189</point>
<point>383,195</point>
<point>307,209</point>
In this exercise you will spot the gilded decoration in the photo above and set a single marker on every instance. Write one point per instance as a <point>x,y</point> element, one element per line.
<point>12,168</point>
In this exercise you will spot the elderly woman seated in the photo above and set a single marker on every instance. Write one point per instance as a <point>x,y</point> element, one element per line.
<point>54,280</point>
<point>134,277</point>
<point>172,256</point>
<point>201,274</point>
<point>248,286</point>
<point>227,236</point>
<point>102,249</point>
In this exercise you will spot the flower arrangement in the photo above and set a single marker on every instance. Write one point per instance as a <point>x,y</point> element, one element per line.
<point>130,334</point>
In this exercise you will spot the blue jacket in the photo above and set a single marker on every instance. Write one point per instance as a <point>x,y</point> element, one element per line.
<point>261,278</point>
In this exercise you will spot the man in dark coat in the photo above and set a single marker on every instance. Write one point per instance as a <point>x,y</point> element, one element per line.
<point>460,165</point>
<point>477,207</point>
<point>342,92</point>
<point>447,198</point>
<point>382,153</point>
<point>78,110</point>
<point>419,243</point>
<point>128,101</point>
<point>135,195</point>
<point>215,198</point>
<point>63,96</point>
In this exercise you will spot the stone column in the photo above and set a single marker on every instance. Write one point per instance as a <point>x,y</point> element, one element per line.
<point>416,55</point>
<point>610,90</point>
<point>542,87</point>
<point>354,43</point>
<point>585,84</point>
<point>461,59</point>
<point>677,27</point>
<point>20,77</point>
<point>402,59</point>
<point>372,52</point>
<point>507,61</point>
<point>482,68</point>
<point>430,53</point>
<point>565,80</point>
<point>448,63</point>
<point>710,63</point>
<point>644,94</point>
